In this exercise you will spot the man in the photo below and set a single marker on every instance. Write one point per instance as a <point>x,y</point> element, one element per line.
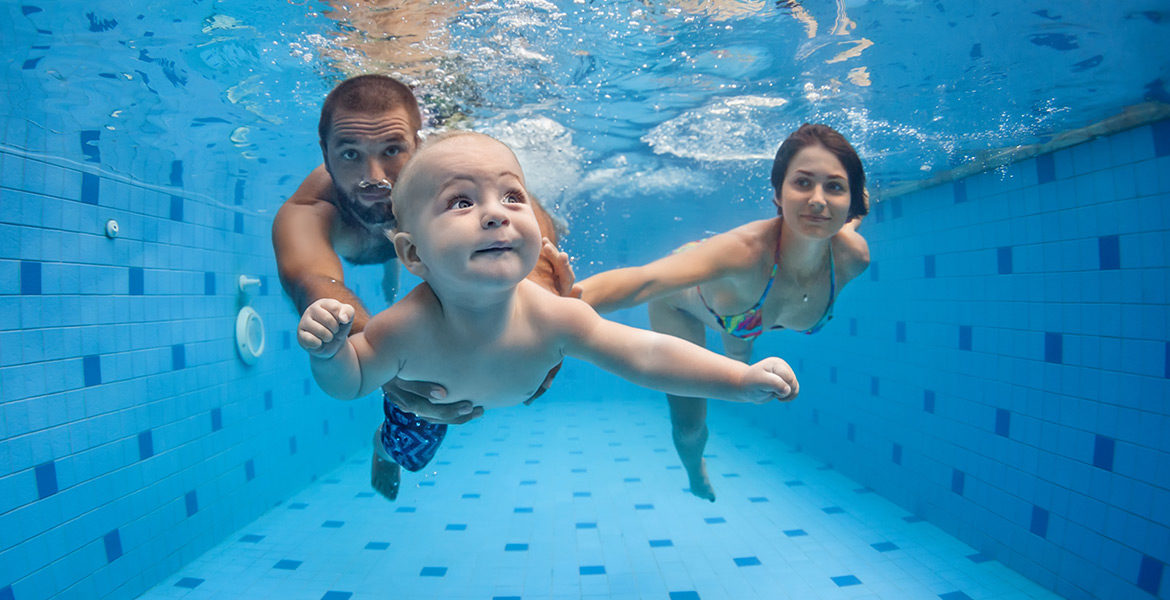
<point>369,128</point>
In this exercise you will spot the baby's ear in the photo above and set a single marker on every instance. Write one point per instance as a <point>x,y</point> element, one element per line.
<point>408,253</point>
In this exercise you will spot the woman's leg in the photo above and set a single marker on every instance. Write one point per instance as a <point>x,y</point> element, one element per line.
<point>688,416</point>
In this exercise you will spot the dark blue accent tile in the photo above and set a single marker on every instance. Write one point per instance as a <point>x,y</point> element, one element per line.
<point>137,281</point>
<point>954,596</point>
<point>1045,168</point>
<point>1053,347</point>
<point>816,417</point>
<point>582,494</point>
<point>377,545</point>
<point>528,482</point>
<point>747,561</point>
<point>874,385</point>
<point>6,593</point>
<point>46,479</point>
<point>113,543</point>
<point>588,525</point>
<point>238,223</point>
<point>239,197</point>
<point>292,445</point>
<point>177,173</point>
<point>91,189</point>
<point>176,208</point>
<point>928,401</point>
<point>833,510</point>
<point>1161,131</point>
<point>850,432</point>
<point>268,400</point>
<point>874,271</point>
<point>192,503</point>
<point>958,481</point>
<point>1103,452</point>
<point>897,454</point>
<point>853,327</point>
<point>332,595</point>
<point>960,188</point>
<point>832,374</point>
<point>884,546</point>
<point>1003,422</point>
<point>216,419</point>
<point>89,145</point>
<point>298,506</point>
<point>1109,252</point>
<point>470,496</point>
<point>896,208</point>
<point>506,598</point>
<point>433,572</point>
<point>731,475</point>
<point>189,582</point>
<point>405,509</point>
<point>900,331</point>
<point>643,507</point>
<point>661,543</point>
<point>632,479</point>
<point>913,519</point>
<point>928,266</point>
<point>845,580</point>
<point>964,337</point>
<point>757,499</point>
<point>1150,574</point>
<point>715,520</point>
<point>515,547</point>
<point>263,285</point>
<point>1039,521</point>
<point>1004,260</point>
<point>979,558</point>
<point>685,596</point>
<point>145,445</point>
<point>578,470</point>
<point>251,538</point>
<point>456,527</point>
<point>593,570</point>
<point>31,63</point>
<point>178,357</point>
<point>333,524</point>
<point>522,509</point>
<point>1166,352</point>
<point>795,532</point>
<point>30,277</point>
<point>209,283</point>
<point>483,472</point>
<point>287,565</point>
<point>91,366</point>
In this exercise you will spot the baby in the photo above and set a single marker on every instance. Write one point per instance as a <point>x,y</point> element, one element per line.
<point>465,225</point>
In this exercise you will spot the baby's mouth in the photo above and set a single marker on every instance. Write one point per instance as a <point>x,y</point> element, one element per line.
<point>495,248</point>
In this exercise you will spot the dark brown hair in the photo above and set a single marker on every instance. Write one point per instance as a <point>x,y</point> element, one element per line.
<point>837,145</point>
<point>368,94</point>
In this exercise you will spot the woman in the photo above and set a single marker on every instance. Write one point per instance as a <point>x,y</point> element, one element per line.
<point>779,273</point>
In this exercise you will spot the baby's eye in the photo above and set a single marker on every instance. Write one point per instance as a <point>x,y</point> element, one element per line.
<point>350,154</point>
<point>460,202</point>
<point>514,198</point>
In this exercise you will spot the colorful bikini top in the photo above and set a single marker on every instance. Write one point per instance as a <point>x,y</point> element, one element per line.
<point>748,325</point>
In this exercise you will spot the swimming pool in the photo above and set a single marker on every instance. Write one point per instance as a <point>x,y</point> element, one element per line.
<point>985,418</point>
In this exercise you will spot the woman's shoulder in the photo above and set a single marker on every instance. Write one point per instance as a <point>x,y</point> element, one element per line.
<point>850,254</point>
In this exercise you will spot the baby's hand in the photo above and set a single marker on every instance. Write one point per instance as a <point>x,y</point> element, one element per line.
<point>770,379</point>
<point>324,327</point>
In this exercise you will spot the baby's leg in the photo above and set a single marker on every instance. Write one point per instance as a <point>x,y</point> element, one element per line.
<point>688,416</point>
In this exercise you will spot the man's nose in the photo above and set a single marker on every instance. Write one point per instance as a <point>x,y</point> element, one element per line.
<point>375,171</point>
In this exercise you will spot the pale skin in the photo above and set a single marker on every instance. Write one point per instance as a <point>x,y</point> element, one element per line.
<point>733,269</point>
<point>477,326</point>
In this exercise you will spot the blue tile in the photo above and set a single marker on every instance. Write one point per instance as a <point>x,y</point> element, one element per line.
<point>632,479</point>
<point>177,173</point>
<point>298,506</point>
<point>1053,347</point>
<point>1166,353</point>
<point>747,561</point>
<point>1004,258</point>
<point>874,385</point>
<point>1003,422</point>
<point>928,401</point>
<point>268,398</point>
<point>964,337</point>
<point>978,558</point>
<point>688,595</point>
<point>178,357</point>
<point>30,277</point>
<point>1109,252</point>
<point>928,266</point>
<point>189,582</point>
<point>661,543</point>
<point>292,445</point>
<point>506,598</point>
<point>239,197</point>
<point>250,470</point>
<point>522,509</point>
<point>795,532</point>
<point>192,503</point>
<point>470,496</point>
<point>913,519</point>
<point>845,580</point>
<point>874,270</point>
<point>176,208</point>
<point>954,596</point>
<point>91,367</point>
<point>794,483</point>
<point>251,538</point>
<point>91,188</point>
<point>958,481</point>
<point>593,570</point>
<point>715,520</point>
<point>643,507</point>
<point>333,524</point>
<point>833,510</point>
<point>1045,168</point>
<point>238,223</point>
<point>900,331</point>
<point>960,191</point>
<point>832,374</point>
<point>89,145</point>
<point>137,283</point>
<point>515,547</point>
<point>587,525</point>
<point>1039,521</point>
<point>287,565</point>
<point>216,419</point>
<point>433,572</point>
<point>1150,574</point>
<point>113,543</point>
<point>852,327</point>
<point>581,494</point>
<point>850,432</point>
<point>757,499</point>
<point>528,482</point>
<point>897,454</point>
<point>1103,452</point>
<point>46,474</point>
<point>6,593</point>
<point>1161,131</point>
<point>209,284</point>
<point>145,445</point>
<point>332,595</point>
<point>405,509</point>
<point>456,527</point>
<point>884,546</point>
<point>377,545</point>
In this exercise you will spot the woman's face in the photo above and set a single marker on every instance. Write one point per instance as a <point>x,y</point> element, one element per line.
<point>814,197</point>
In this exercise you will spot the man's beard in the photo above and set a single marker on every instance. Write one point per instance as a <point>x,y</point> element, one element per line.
<point>375,218</point>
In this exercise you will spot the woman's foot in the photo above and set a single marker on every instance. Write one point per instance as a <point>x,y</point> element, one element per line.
<point>700,484</point>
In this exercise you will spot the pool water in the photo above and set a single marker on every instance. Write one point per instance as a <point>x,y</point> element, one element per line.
<point>985,417</point>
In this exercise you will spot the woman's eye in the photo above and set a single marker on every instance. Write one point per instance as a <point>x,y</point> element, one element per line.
<point>801,182</point>
<point>836,186</point>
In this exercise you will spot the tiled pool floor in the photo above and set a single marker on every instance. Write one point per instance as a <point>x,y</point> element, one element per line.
<point>564,500</point>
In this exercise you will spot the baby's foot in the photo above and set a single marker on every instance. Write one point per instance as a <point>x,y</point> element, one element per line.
<point>385,475</point>
<point>701,484</point>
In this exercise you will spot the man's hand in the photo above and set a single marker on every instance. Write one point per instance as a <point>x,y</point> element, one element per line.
<point>769,379</point>
<point>554,273</point>
<point>418,397</point>
<point>324,327</point>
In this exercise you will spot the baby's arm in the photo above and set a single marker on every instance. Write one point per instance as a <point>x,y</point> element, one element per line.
<point>355,367</point>
<point>670,364</point>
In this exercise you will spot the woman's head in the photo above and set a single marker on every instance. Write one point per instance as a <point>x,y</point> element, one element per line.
<point>838,146</point>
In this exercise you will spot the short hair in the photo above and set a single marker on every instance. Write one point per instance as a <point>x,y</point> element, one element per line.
<point>368,94</point>
<point>823,135</point>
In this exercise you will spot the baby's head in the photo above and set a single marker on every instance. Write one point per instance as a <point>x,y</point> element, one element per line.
<point>463,212</point>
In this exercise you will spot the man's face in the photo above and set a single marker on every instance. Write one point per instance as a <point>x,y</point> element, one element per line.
<point>364,153</point>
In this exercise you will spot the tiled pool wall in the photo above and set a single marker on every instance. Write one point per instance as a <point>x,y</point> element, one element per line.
<point>132,436</point>
<point>1002,368</point>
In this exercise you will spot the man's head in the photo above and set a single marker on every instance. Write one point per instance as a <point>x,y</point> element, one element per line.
<point>464,215</point>
<point>368,130</point>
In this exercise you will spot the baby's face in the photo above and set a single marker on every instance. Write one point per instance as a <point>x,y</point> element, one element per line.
<point>469,214</point>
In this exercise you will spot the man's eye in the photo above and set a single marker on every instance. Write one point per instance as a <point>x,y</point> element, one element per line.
<point>393,151</point>
<point>349,154</point>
